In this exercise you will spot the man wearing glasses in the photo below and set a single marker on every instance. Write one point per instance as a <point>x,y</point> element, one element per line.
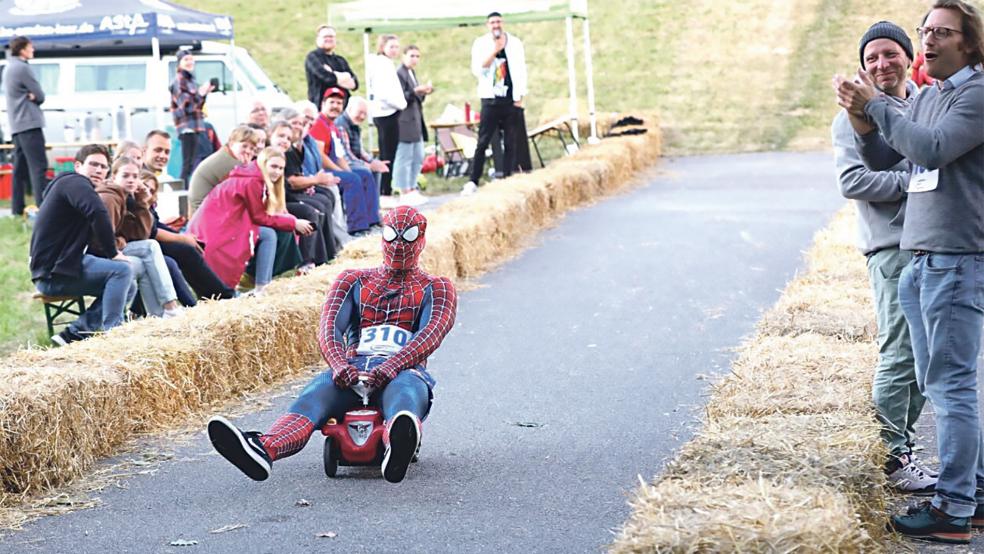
<point>72,216</point>
<point>325,69</point>
<point>886,54</point>
<point>941,135</point>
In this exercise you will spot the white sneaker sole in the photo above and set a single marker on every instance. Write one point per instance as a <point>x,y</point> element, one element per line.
<point>404,437</point>
<point>231,443</point>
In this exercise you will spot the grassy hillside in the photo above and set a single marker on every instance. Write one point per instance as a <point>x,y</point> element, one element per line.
<point>727,76</point>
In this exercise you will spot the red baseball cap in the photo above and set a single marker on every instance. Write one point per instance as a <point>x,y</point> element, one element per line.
<point>334,91</point>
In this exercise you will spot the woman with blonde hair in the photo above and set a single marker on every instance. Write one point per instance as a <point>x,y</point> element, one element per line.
<point>240,217</point>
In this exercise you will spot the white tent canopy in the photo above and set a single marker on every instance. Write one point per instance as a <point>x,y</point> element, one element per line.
<point>367,16</point>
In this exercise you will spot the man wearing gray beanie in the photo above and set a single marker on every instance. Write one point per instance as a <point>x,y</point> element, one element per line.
<point>886,54</point>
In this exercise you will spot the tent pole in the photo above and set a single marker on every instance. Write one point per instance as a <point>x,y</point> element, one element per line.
<point>235,89</point>
<point>593,138</point>
<point>155,48</point>
<point>571,76</point>
<point>365,59</point>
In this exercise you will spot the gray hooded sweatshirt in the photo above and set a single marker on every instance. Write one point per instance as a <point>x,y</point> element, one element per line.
<point>880,195</point>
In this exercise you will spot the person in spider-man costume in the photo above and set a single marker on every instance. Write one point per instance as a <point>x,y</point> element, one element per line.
<point>367,311</point>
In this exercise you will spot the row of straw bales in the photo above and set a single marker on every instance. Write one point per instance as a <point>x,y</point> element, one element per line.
<point>63,408</point>
<point>789,458</point>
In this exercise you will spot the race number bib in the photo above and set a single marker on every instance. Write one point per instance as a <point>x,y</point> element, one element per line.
<point>923,180</point>
<point>382,340</point>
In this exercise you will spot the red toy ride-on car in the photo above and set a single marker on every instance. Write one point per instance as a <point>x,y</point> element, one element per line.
<point>358,439</point>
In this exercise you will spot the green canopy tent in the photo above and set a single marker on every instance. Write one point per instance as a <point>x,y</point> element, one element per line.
<point>368,16</point>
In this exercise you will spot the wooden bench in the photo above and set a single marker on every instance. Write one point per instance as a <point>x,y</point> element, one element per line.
<point>56,306</point>
<point>559,127</point>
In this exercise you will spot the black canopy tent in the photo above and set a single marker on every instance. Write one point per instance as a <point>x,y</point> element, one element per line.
<point>63,27</point>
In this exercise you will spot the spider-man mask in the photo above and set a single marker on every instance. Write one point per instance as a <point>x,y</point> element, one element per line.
<point>403,237</point>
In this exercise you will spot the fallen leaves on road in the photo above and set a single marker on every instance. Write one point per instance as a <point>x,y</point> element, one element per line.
<point>182,542</point>
<point>302,503</point>
<point>530,424</point>
<point>327,535</point>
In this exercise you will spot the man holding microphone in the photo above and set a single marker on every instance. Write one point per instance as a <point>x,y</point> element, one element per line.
<point>499,63</point>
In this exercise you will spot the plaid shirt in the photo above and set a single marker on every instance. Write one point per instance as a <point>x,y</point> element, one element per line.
<point>186,103</point>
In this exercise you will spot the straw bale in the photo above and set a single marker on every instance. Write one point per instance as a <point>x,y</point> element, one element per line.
<point>839,450</point>
<point>754,516</point>
<point>802,374</point>
<point>56,421</point>
<point>836,308</point>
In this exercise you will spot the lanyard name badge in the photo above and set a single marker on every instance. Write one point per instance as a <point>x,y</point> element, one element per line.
<point>382,340</point>
<point>923,180</point>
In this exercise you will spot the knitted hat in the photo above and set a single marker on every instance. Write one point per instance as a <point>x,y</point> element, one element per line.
<point>889,30</point>
<point>182,53</point>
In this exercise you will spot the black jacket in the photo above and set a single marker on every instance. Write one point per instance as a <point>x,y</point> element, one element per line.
<point>319,79</point>
<point>71,213</point>
<point>412,127</point>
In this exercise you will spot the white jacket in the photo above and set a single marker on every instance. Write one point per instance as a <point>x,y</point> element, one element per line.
<point>385,93</point>
<point>516,63</point>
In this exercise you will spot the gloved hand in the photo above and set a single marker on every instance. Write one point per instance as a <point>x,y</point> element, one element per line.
<point>346,377</point>
<point>379,377</point>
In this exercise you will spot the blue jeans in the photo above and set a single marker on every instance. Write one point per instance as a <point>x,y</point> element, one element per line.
<point>110,281</point>
<point>266,252</point>
<point>360,198</point>
<point>942,296</point>
<point>322,399</point>
<point>406,166</point>
<point>153,277</point>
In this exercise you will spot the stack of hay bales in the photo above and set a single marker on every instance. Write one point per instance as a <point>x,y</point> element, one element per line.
<point>61,409</point>
<point>790,457</point>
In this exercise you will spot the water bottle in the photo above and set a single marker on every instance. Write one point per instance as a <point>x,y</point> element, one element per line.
<point>119,124</point>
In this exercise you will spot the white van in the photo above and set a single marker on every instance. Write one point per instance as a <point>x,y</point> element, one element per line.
<point>125,96</point>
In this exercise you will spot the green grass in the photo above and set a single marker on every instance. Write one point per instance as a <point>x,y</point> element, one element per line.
<point>21,318</point>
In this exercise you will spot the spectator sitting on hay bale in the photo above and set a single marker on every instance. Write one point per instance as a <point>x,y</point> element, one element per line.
<point>318,190</point>
<point>127,202</point>
<point>241,215</point>
<point>242,146</point>
<point>71,217</point>
<point>184,248</point>
<point>360,191</point>
<point>313,246</point>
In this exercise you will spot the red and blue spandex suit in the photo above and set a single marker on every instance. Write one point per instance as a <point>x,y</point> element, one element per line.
<point>396,293</point>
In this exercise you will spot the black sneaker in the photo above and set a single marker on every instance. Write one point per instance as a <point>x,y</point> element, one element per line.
<point>404,437</point>
<point>927,523</point>
<point>65,337</point>
<point>243,450</point>
<point>977,520</point>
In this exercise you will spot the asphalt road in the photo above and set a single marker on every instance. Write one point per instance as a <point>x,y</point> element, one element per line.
<point>575,369</point>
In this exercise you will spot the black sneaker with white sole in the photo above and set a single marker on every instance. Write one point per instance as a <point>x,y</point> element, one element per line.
<point>65,337</point>
<point>243,449</point>
<point>404,438</point>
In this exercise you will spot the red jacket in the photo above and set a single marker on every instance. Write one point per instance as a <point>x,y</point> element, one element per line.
<point>229,221</point>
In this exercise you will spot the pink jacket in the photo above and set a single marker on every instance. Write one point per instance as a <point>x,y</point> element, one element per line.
<point>229,221</point>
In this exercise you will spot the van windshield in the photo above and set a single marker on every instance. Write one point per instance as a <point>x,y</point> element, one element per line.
<point>110,77</point>
<point>252,71</point>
